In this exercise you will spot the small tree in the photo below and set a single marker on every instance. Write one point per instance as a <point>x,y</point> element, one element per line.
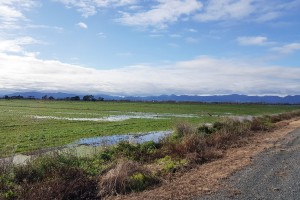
<point>88,98</point>
<point>76,98</point>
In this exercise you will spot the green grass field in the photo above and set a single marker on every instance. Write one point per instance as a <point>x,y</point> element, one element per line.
<point>27,125</point>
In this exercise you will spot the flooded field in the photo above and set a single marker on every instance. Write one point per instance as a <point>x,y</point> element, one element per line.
<point>89,146</point>
<point>31,125</point>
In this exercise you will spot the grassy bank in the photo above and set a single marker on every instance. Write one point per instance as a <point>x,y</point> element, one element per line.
<point>22,131</point>
<point>126,167</point>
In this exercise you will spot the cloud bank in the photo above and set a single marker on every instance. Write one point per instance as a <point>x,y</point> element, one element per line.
<point>202,75</point>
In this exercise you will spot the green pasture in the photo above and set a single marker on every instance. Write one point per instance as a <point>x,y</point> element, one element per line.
<point>22,131</point>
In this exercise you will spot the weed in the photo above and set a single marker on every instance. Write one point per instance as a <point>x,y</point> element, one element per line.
<point>171,165</point>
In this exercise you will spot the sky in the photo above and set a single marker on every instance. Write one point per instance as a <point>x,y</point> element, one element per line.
<point>150,47</point>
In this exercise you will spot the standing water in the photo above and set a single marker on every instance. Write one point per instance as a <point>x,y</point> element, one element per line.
<point>133,138</point>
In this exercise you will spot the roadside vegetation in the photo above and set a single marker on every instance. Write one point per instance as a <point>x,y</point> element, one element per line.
<point>125,167</point>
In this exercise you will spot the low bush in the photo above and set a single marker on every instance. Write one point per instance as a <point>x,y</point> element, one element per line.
<point>183,129</point>
<point>144,152</point>
<point>262,124</point>
<point>169,164</point>
<point>72,184</point>
<point>127,176</point>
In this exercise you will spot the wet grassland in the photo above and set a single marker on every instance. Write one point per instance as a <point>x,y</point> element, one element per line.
<point>29,125</point>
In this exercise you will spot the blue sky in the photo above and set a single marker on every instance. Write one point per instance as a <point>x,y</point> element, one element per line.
<point>151,47</point>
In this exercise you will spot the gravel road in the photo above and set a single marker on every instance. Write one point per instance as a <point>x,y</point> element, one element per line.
<point>273,174</point>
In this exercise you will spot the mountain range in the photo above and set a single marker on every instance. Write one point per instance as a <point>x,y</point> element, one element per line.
<point>233,98</point>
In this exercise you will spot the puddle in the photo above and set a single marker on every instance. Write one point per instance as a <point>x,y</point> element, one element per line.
<point>242,118</point>
<point>115,118</point>
<point>100,119</point>
<point>78,113</point>
<point>133,138</point>
<point>164,114</point>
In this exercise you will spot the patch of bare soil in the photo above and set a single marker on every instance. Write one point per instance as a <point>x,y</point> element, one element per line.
<point>206,178</point>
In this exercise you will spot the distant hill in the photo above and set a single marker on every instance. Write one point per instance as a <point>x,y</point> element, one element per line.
<point>234,98</point>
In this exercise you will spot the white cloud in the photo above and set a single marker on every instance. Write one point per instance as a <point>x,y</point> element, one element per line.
<point>11,12</point>
<point>255,40</point>
<point>162,14</point>
<point>251,10</point>
<point>288,48</point>
<point>192,30</point>
<point>125,2</point>
<point>56,28</point>
<point>89,7</point>
<point>16,45</point>
<point>203,75</point>
<point>82,25</point>
<point>226,9</point>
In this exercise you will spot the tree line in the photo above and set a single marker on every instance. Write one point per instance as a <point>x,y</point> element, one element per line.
<point>46,97</point>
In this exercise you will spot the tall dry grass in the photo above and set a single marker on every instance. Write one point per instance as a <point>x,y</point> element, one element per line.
<point>127,176</point>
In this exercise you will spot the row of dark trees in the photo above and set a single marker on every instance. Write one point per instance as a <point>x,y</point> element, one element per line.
<point>46,97</point>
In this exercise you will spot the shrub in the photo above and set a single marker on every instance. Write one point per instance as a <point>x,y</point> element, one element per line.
<point>45,166</point>
<point>170,164</point>
<point>184,128</point>
<point>127,176</point>
<point>261,124</point>
<point>139,152</point>
<point>73,184</point>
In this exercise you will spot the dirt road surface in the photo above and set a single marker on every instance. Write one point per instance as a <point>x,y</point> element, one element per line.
<point>273,174</point>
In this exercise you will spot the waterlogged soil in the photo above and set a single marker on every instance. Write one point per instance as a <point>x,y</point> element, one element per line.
<point>89,146</point>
